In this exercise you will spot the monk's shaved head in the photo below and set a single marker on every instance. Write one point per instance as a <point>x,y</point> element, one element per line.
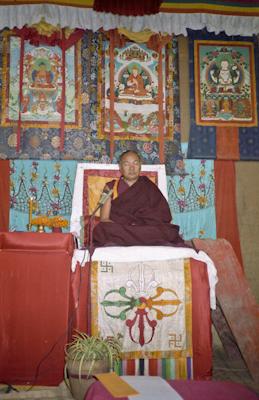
<point>125,153</point>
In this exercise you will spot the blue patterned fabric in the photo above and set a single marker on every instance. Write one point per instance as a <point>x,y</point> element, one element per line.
<point>249,143</point>
<point>191,198</point>
<point>50,183</point>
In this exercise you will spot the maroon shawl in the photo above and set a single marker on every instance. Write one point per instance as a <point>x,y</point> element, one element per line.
<point>141,216</point>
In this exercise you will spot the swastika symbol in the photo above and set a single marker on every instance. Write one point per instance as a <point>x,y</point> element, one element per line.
<point>106,267</point>
<point>175,340</point>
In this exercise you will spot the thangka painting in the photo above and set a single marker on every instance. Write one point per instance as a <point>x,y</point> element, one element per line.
<point>136,103</point>
<point>225,89</point>
<point>41,84</point>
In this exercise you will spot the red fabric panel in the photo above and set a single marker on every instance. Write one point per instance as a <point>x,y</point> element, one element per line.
<point>227,143</point>
<point>192,390</point>
<point>127,7</point>
<point>153,370</point>
<point>38,241</point>
<point>112,94</point>
<point>79,283</point>
<point>55,39</point>
<point>161,124</point>
<point>5,194</point>
<point>201,321</point>
<point>63,93</point>
<point>34,309</point>
<point>89,224</point>
<point>226,210</point>
<point>130,369</point>
<point>19,125</point>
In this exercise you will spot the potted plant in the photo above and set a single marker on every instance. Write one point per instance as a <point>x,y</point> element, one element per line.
<point>87,356</point>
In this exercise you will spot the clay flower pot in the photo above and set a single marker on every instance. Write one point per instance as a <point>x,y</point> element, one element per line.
<point>87,356</point>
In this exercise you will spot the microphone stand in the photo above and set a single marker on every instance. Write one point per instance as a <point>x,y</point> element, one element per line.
<point>104,197</point>
<point>90,229</point>
<point>91,249</point>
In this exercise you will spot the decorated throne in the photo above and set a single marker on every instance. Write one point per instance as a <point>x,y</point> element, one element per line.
<point>157,297</point>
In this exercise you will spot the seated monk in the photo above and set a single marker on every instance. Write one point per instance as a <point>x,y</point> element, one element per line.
<point>136,213</point>
<point>135,84</point>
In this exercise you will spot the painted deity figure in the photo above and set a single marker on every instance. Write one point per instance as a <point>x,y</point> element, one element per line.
<point>42,77</point>
<point>43,88</point>
<point>225,76</point>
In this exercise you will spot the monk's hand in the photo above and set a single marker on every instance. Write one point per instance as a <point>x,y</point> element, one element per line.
<point>106,220</point>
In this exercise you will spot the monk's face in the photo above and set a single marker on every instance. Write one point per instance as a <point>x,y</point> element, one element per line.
<point>135,71</point>
<point>130,167</point>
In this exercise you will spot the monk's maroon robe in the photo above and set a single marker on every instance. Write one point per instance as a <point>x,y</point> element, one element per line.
<point>141,217</point>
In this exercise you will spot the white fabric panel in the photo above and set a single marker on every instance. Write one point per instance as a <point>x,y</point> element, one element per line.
<point>149,253</point>
<point>151,388</point>
<point>86,18</point>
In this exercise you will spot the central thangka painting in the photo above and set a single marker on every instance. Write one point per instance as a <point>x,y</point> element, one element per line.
<point>136,92</point>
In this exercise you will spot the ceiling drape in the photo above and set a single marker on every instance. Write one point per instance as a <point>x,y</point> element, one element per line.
<point>127,7</point>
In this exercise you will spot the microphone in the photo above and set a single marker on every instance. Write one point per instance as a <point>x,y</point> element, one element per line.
<point>104,196</point>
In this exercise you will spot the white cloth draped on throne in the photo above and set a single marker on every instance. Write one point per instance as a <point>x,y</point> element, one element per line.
<point>149,253</point>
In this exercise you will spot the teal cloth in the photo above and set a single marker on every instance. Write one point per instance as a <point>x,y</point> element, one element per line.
<point>50,183</point>
<point>191,199</point>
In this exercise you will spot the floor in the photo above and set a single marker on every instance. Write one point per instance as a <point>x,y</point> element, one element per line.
<point>223,369</point>
<point>230,366</point>
<point>231,370</point>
